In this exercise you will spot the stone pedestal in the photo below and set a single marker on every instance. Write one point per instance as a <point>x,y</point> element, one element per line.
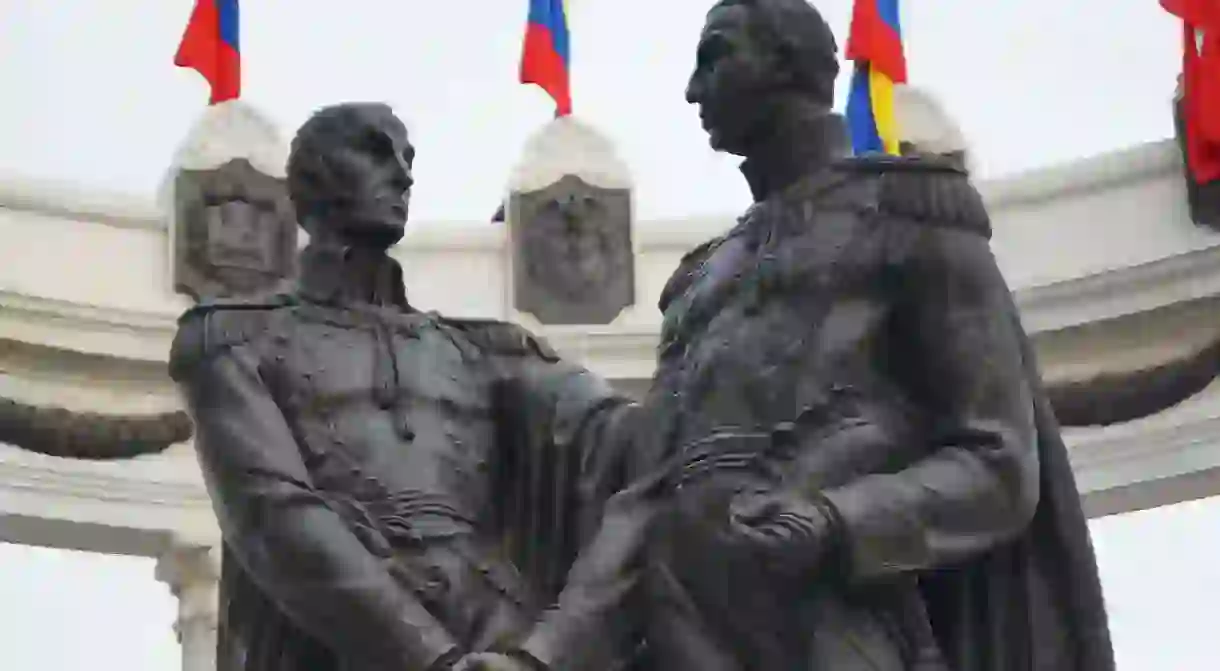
<point>193,574</point>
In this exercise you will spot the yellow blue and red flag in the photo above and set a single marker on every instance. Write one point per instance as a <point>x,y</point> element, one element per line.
<point>210,46</point>
<point>874,45</point>
<point>546,56</point>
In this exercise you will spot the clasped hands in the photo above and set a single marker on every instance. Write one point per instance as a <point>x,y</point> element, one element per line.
<point>786,530</point>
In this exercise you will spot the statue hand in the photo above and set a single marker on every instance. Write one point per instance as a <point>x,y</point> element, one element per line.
<point>490,661</point>
<point>789,531</point>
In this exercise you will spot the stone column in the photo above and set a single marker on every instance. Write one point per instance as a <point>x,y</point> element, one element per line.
<point>193,574</point>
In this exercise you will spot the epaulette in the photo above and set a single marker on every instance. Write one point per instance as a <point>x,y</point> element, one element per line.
<point>685,272</point>
<point>503,338</point>
<point>215,325</point>
<point>925,189</point>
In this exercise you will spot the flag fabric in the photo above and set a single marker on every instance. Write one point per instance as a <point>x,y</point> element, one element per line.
<point>545,58</point>
<point>1200,84</point>
<point>210,47</point>
<point>875,46</point>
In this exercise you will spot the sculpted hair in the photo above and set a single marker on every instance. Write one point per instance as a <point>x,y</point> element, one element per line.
<point>311,182</point>
<point>803,37</point>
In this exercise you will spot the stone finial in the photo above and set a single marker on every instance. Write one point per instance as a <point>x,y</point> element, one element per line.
<point>233,129</point>
<point>570,224</point>
<point>569,146</point>
<point>232,228</point>
<point>926,127</point>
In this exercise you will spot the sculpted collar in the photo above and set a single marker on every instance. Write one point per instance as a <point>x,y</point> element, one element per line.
<point>796,150</point>
<point>340,275</point>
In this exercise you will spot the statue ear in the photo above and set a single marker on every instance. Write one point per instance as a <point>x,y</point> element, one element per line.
<point>783,66</point>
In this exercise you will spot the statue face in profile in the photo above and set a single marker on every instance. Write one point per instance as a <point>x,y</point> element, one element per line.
<point>731,78</point>
<point>754,57</point>
<point>350,173</point>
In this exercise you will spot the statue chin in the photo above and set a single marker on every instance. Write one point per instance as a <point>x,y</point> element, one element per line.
<point>723,143</point>
<point>384,232</point>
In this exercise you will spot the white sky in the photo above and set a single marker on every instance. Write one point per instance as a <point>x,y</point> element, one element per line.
<point>88,94</point>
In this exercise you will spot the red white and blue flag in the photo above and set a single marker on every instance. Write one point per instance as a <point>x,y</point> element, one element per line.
<point>875,46</point>
<point>210,47</point>
<point>1200,84</point>
<point>546,57</point>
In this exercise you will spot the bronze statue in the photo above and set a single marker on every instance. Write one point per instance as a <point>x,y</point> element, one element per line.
<point>396,489</point>
<point>853,463</point>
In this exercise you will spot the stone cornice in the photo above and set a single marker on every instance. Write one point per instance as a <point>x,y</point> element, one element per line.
<point>61,199</point>
<point>122,334</point>
<point>140,506</point>
<point>1160,460</point>
<point>145,336</point>
<point>1120,292</point>
<point>1094,173</point>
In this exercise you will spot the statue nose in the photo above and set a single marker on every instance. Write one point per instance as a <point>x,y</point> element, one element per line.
<point>693,92</point>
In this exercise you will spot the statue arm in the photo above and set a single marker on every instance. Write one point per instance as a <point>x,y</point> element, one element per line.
<point>978,484</point>
<point>592,427</point>
<point>595,424</point>
<point>295,548</point>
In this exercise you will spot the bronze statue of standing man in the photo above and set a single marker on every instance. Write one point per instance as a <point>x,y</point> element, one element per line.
<point>396,489</point>
<point>854,465</point>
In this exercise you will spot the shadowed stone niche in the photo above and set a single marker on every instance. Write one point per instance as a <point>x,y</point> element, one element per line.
<point>570,223</point>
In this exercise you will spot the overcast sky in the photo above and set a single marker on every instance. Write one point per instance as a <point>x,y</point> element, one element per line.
<point>88,95</point>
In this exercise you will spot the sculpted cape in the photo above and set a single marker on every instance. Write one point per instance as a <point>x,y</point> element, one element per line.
<point>1035,602</point>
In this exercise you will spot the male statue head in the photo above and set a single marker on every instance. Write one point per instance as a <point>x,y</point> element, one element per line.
<point>349,175</point>
<point>760,61</point>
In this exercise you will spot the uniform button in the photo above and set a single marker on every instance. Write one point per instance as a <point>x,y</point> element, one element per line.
<point>405,431</point>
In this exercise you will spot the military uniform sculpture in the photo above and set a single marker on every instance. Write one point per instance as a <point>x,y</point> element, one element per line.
<point>853,465</point>
<point>396,489</point>
<point>846,461</point>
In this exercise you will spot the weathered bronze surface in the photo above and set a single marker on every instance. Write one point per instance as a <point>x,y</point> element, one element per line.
<point>847,459</point>
<point>396,489</point>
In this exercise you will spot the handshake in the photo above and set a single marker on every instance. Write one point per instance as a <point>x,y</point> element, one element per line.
<point>787,531</point>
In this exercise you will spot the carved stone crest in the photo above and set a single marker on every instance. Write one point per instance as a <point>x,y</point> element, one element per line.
<point>573,259</point>
<point>235,231</point>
